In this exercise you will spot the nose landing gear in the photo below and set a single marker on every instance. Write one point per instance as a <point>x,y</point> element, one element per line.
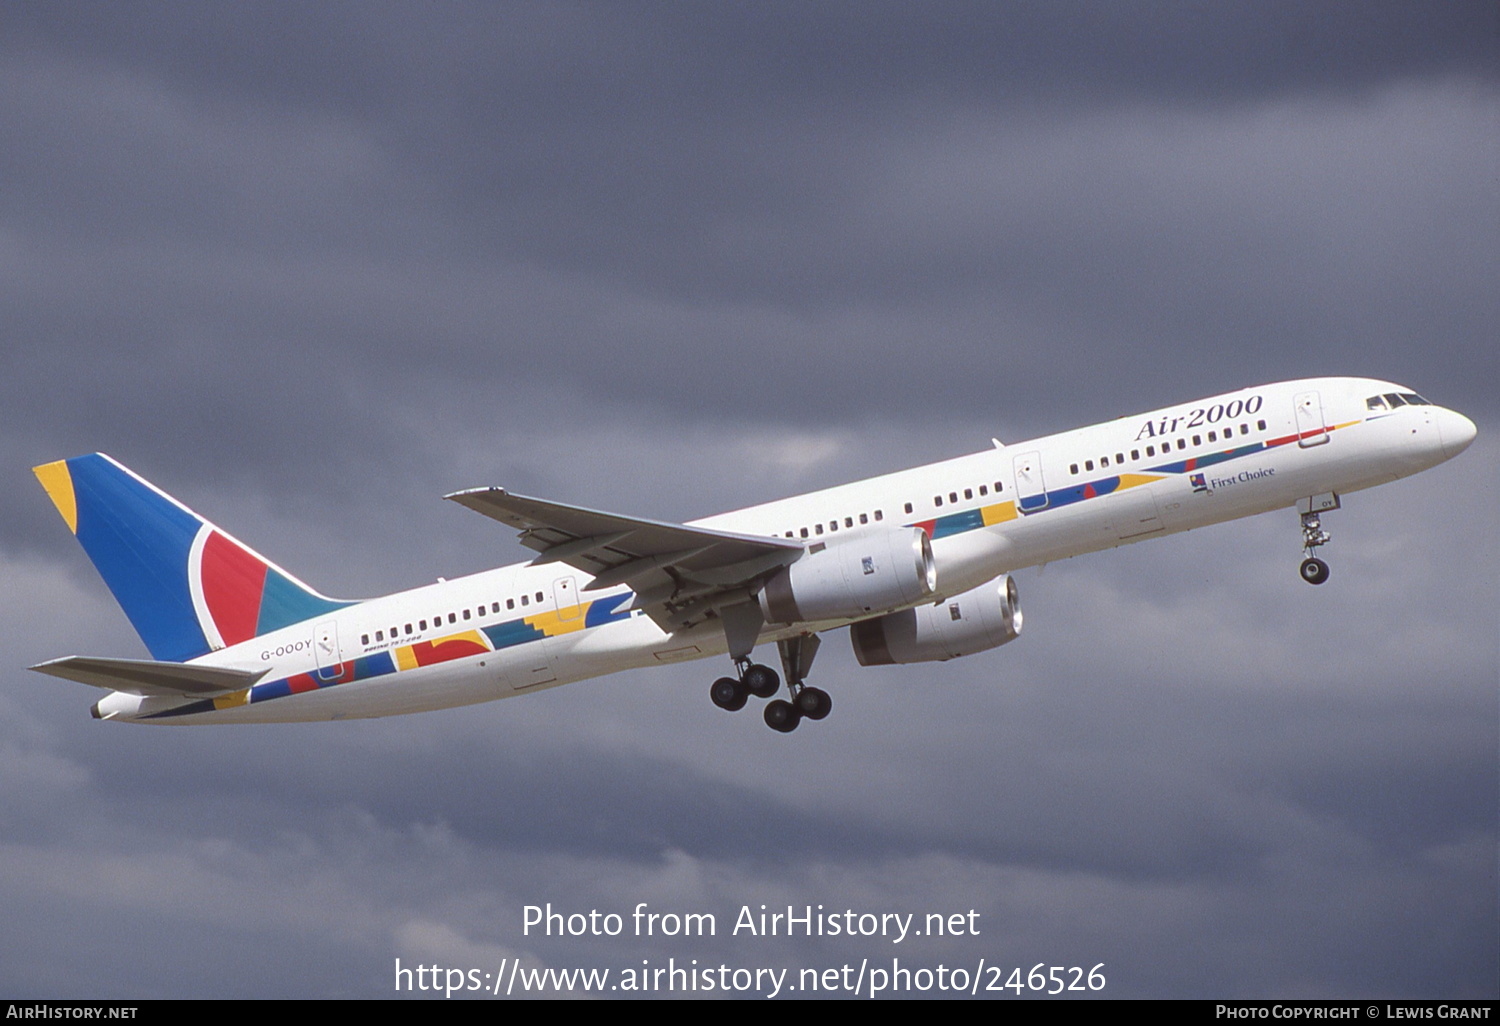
<point>1313,569</point>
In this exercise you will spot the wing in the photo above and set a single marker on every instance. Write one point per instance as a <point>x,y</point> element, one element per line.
<point>147,677</point>
<point>679,574</point>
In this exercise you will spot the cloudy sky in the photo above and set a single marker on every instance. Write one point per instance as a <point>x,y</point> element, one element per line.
<point>308,267</point>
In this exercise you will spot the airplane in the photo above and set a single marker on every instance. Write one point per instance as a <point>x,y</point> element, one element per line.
<point>917,565</point>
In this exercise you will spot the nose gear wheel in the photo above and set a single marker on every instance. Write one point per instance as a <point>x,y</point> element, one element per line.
<point>1313,569</point>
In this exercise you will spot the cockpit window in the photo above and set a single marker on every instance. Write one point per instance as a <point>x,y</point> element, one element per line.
<point>1375,402</point>
<point>1414,399</point>
<point>1394,399</point>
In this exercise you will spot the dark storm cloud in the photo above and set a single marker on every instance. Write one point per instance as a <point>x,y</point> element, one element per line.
<point>370,56</point>
<point>310,267</point>
<point>362,196</point>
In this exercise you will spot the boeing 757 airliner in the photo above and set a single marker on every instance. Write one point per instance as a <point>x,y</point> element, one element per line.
<point>915,564</point>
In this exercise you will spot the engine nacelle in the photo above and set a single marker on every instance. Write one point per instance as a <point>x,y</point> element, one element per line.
<point>975,621</point>
<point>851,577</point>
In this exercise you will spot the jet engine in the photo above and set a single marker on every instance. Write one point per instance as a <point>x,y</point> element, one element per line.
<point>984,618</point>
<point>864,573</point>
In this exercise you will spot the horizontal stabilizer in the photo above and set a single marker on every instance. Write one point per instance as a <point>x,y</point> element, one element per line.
<point>147,677</point>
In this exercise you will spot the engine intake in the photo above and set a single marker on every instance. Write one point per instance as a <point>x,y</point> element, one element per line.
<point>855,576</point>
<point>984,618</point>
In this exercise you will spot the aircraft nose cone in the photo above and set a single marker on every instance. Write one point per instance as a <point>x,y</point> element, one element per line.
<point>1458,432</point>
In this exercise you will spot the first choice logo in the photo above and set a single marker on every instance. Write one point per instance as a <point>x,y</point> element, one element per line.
<point>289,648</point>
<point>1197,418</point>
<point>1243,477</point>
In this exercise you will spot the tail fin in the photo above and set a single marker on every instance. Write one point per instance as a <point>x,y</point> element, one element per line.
<point>187,587</point>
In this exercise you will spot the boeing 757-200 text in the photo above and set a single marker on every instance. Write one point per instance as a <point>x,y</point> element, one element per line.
<point>915,564</point>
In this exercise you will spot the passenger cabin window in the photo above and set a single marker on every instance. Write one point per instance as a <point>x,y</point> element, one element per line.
<point>864,518</point>
<point>817,528</point>
<point>937,500</point>
<point>908,509</point>
<point>510,603</point>
<point>879,514</point>
<point>968,493</point>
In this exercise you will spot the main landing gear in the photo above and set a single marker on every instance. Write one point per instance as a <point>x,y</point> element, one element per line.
<point>806,702</point>
<point>1313,569</point>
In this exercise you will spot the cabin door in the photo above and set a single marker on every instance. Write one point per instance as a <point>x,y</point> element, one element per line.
<point>1311,430</point>
<point>326,649</point>
<point>565,590</point>
<point>1031,490</point>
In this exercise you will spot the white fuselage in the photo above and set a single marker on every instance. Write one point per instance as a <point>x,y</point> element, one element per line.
<point>523,628</point>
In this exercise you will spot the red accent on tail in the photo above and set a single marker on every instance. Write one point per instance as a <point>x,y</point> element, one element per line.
<point>233,582</point>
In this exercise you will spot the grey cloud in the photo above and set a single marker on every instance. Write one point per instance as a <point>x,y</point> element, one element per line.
<point>310,268</point>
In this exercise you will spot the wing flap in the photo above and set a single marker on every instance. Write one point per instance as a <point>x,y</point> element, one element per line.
<point>148,677</point>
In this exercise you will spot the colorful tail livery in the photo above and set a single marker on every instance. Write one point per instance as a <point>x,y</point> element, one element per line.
<point>187,587</point>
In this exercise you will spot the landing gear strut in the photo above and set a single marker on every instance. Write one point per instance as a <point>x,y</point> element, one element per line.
<point>806,702</point>
<point>1313,569</point>
<point>781,714</point>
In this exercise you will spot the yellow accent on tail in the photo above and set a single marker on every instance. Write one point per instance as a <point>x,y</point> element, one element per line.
<point>58,482</point>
